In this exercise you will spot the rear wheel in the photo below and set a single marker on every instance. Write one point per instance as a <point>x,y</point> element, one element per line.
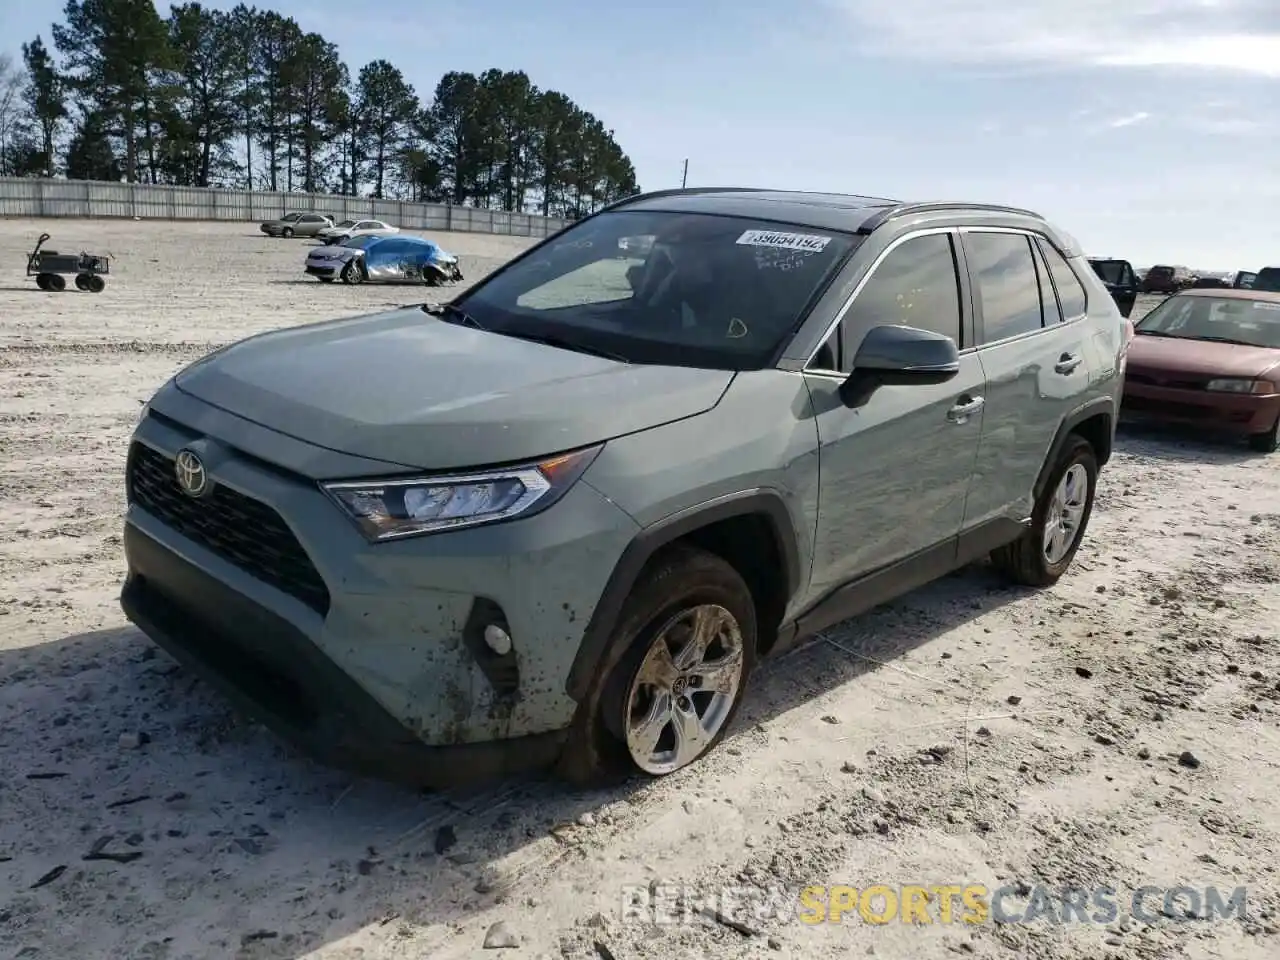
<point>96,284</point>
<point>54,281</point>
<point>82,281</point>
<point>42,281</point>
<point>1268,441</point>
<point>669,688</point>
<point>1045,551</point>
<point>352,273</point>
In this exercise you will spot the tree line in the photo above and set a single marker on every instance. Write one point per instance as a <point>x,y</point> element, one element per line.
<point>246,99</point>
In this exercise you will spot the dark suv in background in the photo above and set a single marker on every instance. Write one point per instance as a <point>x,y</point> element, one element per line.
<point>1267,280</point>
<point>1119,279</point>
<point>564,515</point>
<point>1166,279</point>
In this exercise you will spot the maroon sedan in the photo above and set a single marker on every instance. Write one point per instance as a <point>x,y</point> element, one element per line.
<point>1209,357</point>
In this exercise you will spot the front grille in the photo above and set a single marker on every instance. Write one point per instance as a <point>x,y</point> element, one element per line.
<point>1187,411</point>
<point>237,528</point>
<point>1153,381</point>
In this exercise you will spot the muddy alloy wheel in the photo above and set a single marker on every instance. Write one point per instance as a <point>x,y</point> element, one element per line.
<point>672,678</point>
<point>1044,552</point>
<point>685,688</point>
<point>1268,441</point>
<point>352,273</point>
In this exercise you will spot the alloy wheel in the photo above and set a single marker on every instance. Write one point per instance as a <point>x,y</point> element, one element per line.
<point>685,689</point>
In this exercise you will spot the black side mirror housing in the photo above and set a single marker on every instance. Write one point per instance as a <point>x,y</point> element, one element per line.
<point>894,355</point>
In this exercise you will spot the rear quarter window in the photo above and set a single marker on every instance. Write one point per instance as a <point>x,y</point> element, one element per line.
<point>1071,294</point>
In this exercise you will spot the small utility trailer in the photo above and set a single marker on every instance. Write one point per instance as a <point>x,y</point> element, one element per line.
<point>50,268</point>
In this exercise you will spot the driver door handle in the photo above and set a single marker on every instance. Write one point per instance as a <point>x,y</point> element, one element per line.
<point>965,408</point>
<point>1067,363</point>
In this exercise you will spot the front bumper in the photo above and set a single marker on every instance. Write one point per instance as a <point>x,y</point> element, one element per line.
<point>1233,413</point>
<point>317,270</point>
<point>365,656</point>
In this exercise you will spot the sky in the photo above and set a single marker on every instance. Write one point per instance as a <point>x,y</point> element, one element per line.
<point>1139,126</point>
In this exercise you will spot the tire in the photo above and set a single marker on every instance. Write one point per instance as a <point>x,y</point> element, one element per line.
<point>42,281</point>
<point>1268,441</point>
<point>82,281</point>
<point>96,284</point>
<point>1027,561</point>
<point>661,609</point>
<point>287,233</point>
<point>56,282</point>
<point>352,273</point>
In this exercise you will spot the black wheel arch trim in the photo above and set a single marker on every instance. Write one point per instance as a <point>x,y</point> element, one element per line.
<point>1086,411</point>
<point>598,634</point>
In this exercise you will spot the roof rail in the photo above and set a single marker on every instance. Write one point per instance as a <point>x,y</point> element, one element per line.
<point>881,217</point>
<point>675,192</point>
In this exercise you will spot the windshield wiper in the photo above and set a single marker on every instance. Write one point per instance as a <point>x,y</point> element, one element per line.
<point>1155,333</point>
<point>441,310</point>
<point>563,344</point>
<point>1239,343</point>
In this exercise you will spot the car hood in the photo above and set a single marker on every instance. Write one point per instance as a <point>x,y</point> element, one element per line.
<point>408,388</point>
<point>341,254</point>
<point>1200,357</point>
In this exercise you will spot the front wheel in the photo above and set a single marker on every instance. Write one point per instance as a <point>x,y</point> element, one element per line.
<point>671,684</point>
<point>1044,552</point>
<point>352,274</point>
<point>287,232</point>
<point>1268,441</point>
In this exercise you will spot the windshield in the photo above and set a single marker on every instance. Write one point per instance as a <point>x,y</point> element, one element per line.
<point>361,242</point>
<point>347,223</point>
<point>1231,319</point>
<point>289,217</point>
<point>657,287</point>
<point>1160,272</point>
<point>1268,278</point>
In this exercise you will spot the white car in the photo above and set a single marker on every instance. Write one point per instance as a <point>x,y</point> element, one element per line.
<point>355,228</point>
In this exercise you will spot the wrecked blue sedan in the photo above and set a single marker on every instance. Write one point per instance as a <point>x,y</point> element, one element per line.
<point>384,258</point>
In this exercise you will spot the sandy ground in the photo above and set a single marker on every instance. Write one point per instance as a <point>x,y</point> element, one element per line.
<point>967,734</point>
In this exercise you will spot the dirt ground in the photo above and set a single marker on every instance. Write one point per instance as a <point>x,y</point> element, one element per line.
<point>1119,730</point>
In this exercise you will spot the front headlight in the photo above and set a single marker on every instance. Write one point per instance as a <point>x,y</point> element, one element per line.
<point>390,509</point>
<point>1235,385</point>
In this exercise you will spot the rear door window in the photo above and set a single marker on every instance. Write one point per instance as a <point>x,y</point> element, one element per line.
<point>1006,283</point>
<point>1051,309</point>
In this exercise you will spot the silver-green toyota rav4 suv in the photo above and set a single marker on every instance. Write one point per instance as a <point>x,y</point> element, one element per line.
<point>558,520</point>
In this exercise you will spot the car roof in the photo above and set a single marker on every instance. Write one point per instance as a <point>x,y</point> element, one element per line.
<point>849,213</point>
<point>1232,294</point>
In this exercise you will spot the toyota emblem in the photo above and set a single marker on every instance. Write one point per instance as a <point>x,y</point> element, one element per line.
<point>191,474</point>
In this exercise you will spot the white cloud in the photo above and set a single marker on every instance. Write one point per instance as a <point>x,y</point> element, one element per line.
<point>1238,35</point>
<point>1128,121</point>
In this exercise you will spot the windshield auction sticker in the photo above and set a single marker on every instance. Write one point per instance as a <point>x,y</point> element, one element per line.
<point>786,241</point>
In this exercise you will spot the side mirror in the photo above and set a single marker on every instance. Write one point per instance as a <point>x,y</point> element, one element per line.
<point>892,355</point>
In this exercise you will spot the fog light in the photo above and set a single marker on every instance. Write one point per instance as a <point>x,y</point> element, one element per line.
<point>499,640</point>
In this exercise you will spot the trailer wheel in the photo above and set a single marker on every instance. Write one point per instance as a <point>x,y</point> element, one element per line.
<point>53,282</point>
<point>42,281</point>
<point>95,283</point>
<point>82,281</point>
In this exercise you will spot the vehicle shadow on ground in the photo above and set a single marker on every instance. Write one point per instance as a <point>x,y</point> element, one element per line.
<point>30,289</point>
<point>280,855</point>
<point>1182,444</point>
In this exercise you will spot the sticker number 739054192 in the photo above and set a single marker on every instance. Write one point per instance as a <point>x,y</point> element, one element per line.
<point>812,243</point>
